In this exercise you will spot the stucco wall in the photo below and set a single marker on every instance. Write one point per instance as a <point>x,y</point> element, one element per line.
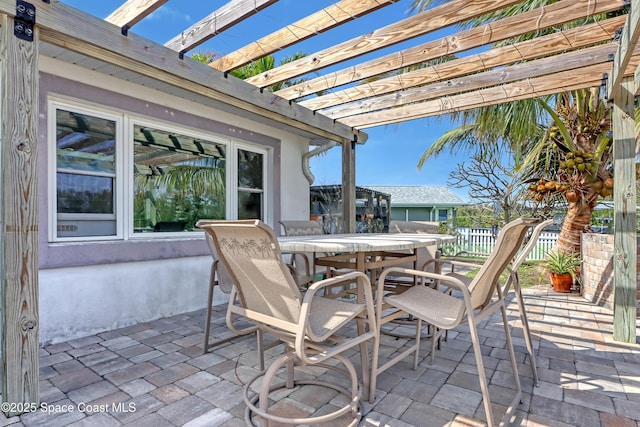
<point>90,287</point>
<point>597,270</point>
<point>81,301</point>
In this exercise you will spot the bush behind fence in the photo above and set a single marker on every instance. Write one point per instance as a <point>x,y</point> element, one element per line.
<point>482,241</point>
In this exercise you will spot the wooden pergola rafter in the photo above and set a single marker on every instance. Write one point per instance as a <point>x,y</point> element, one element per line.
<point>556,14</point>
<point>316,23</point>
<point>552,44</point>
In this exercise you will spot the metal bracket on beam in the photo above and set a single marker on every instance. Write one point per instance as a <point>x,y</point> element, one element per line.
<point>603,83</point>
<point>24,21</point>
<point>617,35</point>
<point>125,30</point>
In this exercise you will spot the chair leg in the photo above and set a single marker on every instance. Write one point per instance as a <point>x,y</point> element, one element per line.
<point>514,365</point>
<point>207,325</point>
<point>258,403</point>
<point>418,336</point>
<point>482,375</point>
<point>261,348</point>
<point>435,342</point>
<point>527,334</point>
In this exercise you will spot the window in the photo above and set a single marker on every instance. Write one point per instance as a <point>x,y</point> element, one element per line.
<point>86,165</point>
<point>442,215</point>
<point>250,185</point>
<point>178,179</point>
<point>170,178</point>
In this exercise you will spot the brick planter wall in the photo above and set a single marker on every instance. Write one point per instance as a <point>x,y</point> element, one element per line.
<point>597,270</point>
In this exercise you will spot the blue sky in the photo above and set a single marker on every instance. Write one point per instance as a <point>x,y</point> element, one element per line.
<point>391,154</point>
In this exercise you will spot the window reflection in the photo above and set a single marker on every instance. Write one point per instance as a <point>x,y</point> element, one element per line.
<point>84,194</point>
<point>85,174</point>
<point>178,180</point>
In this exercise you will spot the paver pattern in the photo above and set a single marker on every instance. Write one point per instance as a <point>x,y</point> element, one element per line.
<point>154,374</point>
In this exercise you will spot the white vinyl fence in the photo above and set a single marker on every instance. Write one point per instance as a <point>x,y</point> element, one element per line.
<point>482,241</point>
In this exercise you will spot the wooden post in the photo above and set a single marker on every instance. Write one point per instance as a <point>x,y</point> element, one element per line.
<point>624,201</point>
<point>19,219</point>
<point>349,187</point>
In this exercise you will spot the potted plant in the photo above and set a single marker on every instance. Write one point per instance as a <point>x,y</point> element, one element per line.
<point>563,269</point>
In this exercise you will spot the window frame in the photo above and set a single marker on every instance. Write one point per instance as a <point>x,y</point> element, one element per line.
<point>53,106</point>
<point>124,171</point>
<point>133,120</point>
<point>236,187</point>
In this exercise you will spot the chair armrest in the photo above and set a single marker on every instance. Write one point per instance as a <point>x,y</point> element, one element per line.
<point>364,309</point>
<point>455,282</point>
<point>466,254</point>
<point>453,262</point>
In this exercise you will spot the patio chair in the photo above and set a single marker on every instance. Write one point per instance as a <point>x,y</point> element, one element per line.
<point>428,227</point>
<point>424,255</point>
<point>317,331</point>
<point>399,282</point>
<point>440,308</point>
<point>511,281</point>
<point>220,277</point>
<point>303,263</point>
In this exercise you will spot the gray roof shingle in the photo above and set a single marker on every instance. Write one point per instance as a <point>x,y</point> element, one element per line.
<point>419,195</point>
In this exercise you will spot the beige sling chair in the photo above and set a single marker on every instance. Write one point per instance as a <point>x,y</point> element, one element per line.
<point>303,263</point>
<point>439,307</point>
<point>220,277</point>
<point>317,331</point>
<point>512,281</point>
<point>398,283</point>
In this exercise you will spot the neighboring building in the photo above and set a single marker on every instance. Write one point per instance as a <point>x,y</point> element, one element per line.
<point>421,202</point>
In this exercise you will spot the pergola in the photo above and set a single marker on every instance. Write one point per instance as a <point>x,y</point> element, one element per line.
<point>583,57</point>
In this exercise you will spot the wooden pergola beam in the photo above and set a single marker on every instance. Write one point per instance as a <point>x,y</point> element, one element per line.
<point>551,15</point>
<point>551,44</point>
<point>628,41</point>
<point>309,26</point>
<point>133,11</point>
<point>220,20</point>
<point>625,202</point>
<point>527,70</point>
<point>422,23</point>
<point>19,219</point>
<point>569,80</point>
<point>72,29</point>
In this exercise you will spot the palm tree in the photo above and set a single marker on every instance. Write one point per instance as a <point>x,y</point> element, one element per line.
<point>559,143</point>
<point>577,156</point>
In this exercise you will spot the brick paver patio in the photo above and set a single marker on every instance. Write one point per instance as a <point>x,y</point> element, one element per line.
<point>154,374</point>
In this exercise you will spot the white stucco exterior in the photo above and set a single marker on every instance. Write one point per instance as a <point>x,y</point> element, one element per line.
<point>77,301</point>
<point>81,301</point>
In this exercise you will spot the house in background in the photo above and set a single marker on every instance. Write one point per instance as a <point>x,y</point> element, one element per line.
<point>421,202</point>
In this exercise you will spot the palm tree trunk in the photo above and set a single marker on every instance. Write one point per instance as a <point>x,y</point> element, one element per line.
<point>578,217</point>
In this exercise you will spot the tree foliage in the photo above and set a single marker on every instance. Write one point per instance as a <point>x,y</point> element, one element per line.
<point>490,181</point>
